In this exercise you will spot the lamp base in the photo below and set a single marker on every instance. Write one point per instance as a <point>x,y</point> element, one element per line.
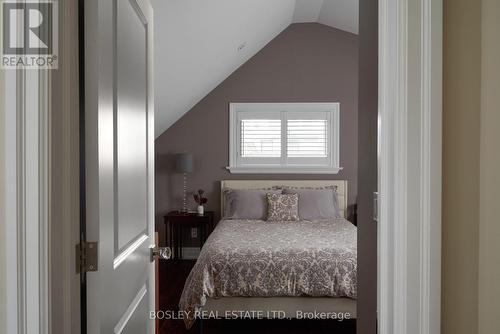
<point>184,190</point>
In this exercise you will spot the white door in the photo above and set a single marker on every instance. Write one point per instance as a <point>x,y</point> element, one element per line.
<point>119,164</point>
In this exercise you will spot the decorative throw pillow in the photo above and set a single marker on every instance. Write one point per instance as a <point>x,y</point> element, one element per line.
<point>282,207</point>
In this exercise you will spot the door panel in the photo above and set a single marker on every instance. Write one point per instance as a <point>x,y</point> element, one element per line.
<point>131,124</point>
<point>137,323</point>
<point>132,321</point>
<point>119,164</point>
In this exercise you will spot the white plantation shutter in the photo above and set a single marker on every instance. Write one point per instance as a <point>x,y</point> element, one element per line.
<point>307,138</point>
<point>260,138</point>
<point>284,138</point>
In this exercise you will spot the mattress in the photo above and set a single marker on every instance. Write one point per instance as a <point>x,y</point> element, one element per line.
<point>255,258</point>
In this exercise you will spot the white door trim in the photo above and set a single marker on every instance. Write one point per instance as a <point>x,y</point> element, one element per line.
<point>410,157</point>
<point>27,201</point>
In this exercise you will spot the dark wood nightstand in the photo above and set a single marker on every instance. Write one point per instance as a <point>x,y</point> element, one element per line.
<point>175,221</point>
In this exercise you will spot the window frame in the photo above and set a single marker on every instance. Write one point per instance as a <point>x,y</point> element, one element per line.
<point>284,165</point>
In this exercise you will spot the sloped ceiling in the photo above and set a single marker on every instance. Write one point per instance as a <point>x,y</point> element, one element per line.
<point>199,43</point>
<point>340,14</point>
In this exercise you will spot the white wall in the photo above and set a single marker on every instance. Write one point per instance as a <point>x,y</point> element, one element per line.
<point>196,47</point>
<point>343,14</point>
<point>307,10</point>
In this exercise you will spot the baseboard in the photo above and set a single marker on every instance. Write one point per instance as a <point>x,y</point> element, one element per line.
<point>190,253</point>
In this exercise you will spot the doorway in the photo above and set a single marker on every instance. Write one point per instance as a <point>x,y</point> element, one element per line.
<point>304,62</point>
<point>370,198</point>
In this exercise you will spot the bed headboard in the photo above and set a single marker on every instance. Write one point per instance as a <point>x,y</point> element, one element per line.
<point>255,184</point>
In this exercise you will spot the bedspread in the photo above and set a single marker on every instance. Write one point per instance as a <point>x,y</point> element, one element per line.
<point>254,258</point>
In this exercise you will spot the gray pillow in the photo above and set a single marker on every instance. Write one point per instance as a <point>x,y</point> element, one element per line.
<point>247,203</point>
<point>316,203</point>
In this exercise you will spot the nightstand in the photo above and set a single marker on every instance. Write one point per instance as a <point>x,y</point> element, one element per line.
<point>176,221</point>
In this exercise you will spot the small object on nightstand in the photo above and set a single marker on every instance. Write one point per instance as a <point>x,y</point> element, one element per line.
<point>200,200</point>
<point>176,221</point>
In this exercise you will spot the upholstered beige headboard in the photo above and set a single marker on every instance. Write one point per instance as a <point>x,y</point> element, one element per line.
<point>256,184</point>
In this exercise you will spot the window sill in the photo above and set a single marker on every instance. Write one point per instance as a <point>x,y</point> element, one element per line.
<point>284,170</point>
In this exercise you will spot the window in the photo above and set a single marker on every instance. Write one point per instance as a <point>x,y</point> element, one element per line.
<point>260,138</point>
<point>307,138</point>
<point>284,138</point>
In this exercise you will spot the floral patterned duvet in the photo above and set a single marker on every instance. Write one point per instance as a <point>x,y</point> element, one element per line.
<point>255,258</point>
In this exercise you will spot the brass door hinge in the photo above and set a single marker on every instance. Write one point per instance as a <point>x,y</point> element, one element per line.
<point>86,257</point>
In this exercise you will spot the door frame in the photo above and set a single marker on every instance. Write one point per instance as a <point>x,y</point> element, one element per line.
<point>410,120</point>
<point>410,159</point>
<point>38,133</point>
<point>25,278</point>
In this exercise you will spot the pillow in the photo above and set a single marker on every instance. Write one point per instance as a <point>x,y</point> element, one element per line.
<point>246,203</point>
<point>317,203</point>
<point>282,207</point>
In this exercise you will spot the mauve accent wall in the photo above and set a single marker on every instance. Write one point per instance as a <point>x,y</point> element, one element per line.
<point>367,162</point>
<point>307,62</point>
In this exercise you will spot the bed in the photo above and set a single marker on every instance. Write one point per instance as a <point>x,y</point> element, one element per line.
<point>251,267</point>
